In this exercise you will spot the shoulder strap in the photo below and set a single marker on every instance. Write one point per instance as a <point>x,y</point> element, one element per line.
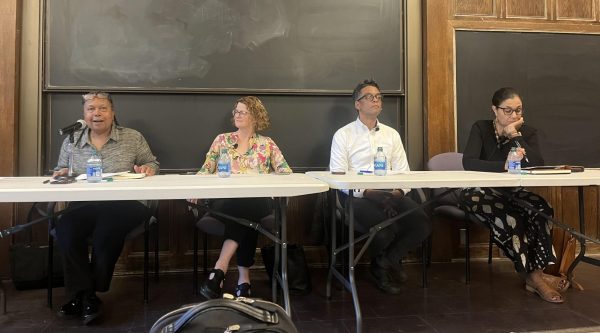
<point>262,315</point>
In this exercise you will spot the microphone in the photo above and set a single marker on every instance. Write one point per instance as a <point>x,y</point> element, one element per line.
<point>73,127</point>
<point>235,146</point>
<point>376,128</point>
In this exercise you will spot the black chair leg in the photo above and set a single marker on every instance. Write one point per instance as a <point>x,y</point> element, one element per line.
<point>425,254</point>
<point>205,249</point>
<point>467,254</point>
<point>156,249</point>
<point>146,259</point>
<point>195,259</point>
<point>50,268</point>
<point>490,246</point>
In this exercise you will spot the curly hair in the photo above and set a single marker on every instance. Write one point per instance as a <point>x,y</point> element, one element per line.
<point>258,111</point>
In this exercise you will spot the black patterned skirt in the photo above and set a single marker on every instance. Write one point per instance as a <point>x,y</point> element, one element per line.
<point>522,233</point>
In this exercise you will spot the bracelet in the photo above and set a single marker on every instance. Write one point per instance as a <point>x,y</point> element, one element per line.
<point>515,134</point>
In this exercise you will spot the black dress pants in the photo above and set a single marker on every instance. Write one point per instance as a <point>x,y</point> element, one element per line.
<point>252,209</point>
<point>396,240</point>
<point>105,224</point>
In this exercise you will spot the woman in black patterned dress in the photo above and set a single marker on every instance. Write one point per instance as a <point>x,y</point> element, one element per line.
<point>523,234</point>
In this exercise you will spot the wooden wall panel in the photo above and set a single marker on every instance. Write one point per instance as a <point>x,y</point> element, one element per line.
<point>438,93</point>
<point>475,7</point>
<point>9,83</point>
<point>534,9</point>
<point>440,23</point>
<point>583,10</point>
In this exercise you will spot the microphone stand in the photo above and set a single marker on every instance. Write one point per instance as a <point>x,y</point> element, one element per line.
<point>70,174</point>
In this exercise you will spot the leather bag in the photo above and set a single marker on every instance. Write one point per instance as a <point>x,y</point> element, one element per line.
<point>226,315</point>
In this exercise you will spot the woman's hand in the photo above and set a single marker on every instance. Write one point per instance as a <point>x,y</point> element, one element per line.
<point>511,130</point>
<point>520,152</point>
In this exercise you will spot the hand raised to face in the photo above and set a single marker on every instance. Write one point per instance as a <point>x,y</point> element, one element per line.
<point>512,129</point>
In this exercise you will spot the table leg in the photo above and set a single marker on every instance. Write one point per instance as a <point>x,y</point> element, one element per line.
<point>333,244</point>
<point>284,277</point>
<point>352,262</point>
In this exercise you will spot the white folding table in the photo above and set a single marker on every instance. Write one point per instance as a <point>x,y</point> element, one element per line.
<point>441,179</point>
<point>165,187</point>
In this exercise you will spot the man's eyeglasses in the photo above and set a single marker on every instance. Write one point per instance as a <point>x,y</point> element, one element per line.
<point>509,111</point>
<point>371,98</point>
<point>96,94</point>
<point>241,113</point>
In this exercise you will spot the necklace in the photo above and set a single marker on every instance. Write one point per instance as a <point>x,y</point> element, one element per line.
<point>500,140</point>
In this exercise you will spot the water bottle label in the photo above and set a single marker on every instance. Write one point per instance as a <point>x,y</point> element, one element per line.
<point>223,167</point>
<point>379,165</point>
<point>94,172</point>
<point>514,165</point>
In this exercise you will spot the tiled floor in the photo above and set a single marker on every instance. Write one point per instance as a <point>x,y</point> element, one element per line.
<point>494,302</point>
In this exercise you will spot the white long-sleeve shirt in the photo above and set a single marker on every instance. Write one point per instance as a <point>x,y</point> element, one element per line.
<point>354,146</point>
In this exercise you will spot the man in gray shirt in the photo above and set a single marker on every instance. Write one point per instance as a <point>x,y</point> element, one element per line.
<point>106,223</point>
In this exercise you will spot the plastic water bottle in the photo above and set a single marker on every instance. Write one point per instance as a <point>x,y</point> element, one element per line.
<point>94,168</point>
<point>380,163</point>
<point>514,161</point>
<point>224,164</point>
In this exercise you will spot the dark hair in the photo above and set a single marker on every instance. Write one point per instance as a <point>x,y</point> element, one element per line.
<point>503,94</point>
<point>360,86</point>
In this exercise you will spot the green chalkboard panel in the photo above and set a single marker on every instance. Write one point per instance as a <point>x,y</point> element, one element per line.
<point>223,45</point>
<point>558,76</point>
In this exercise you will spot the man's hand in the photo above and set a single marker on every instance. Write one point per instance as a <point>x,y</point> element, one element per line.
<point>144,169</point>
<point>61,172</point>
<point>388,200</point>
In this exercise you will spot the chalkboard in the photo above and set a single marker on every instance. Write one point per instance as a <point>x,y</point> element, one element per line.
<point>558,76</point>
<point>223,45</point>
<point>180,128</point>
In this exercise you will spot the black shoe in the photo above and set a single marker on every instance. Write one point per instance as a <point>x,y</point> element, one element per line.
<point>211,288</point>
<point>243,290</point>
<point>72,308</point>
<point>91,308</point>
<point>383,279</point>
<point>398,274</point>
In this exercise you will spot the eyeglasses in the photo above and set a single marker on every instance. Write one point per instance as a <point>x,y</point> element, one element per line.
<point>509,111</point>
<point>241,113</point>
<point>96,94</point>
<point>371,98</point>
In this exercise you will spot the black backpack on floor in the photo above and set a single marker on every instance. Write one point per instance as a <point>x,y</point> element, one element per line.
<point>226,315</point>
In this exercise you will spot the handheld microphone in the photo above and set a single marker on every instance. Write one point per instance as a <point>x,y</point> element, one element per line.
<point>79,124</point>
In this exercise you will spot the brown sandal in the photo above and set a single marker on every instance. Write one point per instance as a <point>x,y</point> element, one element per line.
<point>550,295</point>
<point>557,283</point>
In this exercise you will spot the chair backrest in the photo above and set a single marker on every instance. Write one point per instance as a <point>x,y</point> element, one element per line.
<point>446,162</point>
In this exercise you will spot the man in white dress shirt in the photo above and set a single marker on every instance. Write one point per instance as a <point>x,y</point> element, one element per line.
<point>353,149</point>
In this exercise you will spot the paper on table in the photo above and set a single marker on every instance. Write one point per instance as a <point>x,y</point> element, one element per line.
<point>116,175</point>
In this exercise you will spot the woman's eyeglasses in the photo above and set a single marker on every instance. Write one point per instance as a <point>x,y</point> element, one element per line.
<point>509,111</point>
<point>241,113</point>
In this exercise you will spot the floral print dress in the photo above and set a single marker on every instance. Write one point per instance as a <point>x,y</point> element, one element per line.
<point>263,155</point>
